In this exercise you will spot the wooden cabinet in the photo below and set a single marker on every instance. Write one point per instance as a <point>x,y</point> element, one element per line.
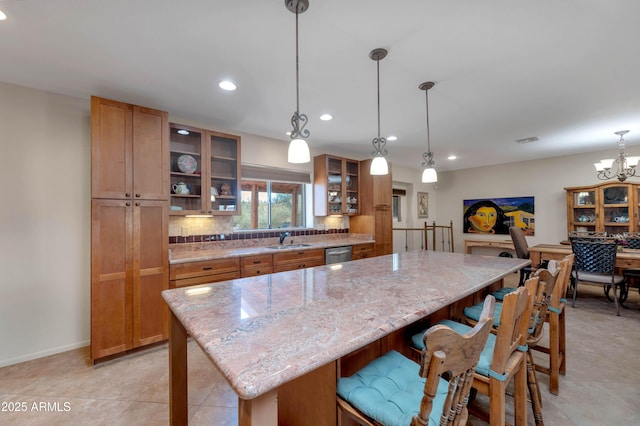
<point>336,186</point>
<point>204,271</point>
<point>362,251</point>
<point>129,151</point>
<point>375,216</point>
<point>610,207</point>
<point>291,260</point>
<point>260,264</point>
<point>129,270</point>
<point>129,226</point>
<point>207,164</point>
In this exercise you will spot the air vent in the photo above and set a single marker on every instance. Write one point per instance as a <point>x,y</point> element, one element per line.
<point>527,140</point>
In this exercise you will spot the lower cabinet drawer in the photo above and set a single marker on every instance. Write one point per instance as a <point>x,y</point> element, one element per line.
<point>205,279</point>
<point>254,272</point>
<point>206,267</point>
<point>303,263</point>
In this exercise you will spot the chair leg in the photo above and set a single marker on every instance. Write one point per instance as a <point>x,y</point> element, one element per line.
<point>497,402</point>
<point>615,299</point>
<point>520,394</point>
<point>554,353</point>
<point>522,279</point>
<point>534,390</point>
<point>562,344</point>
<point>575,292</point>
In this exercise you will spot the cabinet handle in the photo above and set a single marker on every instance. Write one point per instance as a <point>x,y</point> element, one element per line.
<point>255,262</point>
<point>138,204</point>
<point>127,194</point>
<point>138,195</point>
<point>208,268</point>
<point>127,204</point>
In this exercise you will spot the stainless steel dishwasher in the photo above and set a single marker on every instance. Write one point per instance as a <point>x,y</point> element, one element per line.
<point>337,255</point>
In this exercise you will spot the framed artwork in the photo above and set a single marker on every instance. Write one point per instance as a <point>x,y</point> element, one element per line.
<point>423,204</point>
<point>496,215</point>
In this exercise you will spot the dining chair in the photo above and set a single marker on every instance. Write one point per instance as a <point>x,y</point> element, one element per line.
<point>555,317</point>
<point>631,275</point>
<point>504,358</point>
<point>595,262</point>
<point>394,390</point>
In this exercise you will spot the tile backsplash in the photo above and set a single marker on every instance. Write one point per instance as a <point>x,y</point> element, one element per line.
<point>202,229</point>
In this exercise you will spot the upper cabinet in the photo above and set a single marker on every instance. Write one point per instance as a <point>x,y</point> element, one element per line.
<point>205,171</point>
<point>608,207</point>
<point>129,151</point>
<point>336,186</point>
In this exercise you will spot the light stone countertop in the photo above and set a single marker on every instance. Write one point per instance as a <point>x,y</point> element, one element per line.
<point>207,251</point>
<point>264,331</point>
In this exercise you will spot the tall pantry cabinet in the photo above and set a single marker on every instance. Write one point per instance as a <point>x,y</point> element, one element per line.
<point>129,226</point>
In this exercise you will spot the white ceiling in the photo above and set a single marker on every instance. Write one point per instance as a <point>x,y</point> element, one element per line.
<point>565,71</point>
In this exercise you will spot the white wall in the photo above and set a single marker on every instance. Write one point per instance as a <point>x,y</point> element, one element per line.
<point>45,167</point>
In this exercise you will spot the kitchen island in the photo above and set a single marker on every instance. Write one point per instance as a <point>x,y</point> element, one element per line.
<point>278,339</point>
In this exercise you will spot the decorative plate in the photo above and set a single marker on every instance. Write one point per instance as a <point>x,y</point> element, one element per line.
<point>187,164</point>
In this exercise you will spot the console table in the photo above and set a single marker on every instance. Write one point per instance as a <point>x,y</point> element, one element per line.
<point>502,244</point>
<point>278,339</point>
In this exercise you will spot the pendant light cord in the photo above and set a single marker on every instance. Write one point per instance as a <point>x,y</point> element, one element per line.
<point>426,93</point>
<point>378,71</point>
<point>297,68</point>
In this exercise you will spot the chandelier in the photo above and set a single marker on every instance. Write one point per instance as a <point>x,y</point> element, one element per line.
<point>298,148</point>
<point>379,164</point>
<point>621,167</point>
<point>429,174</point>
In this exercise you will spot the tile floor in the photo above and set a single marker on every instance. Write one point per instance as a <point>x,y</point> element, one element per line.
<point>602,385</point>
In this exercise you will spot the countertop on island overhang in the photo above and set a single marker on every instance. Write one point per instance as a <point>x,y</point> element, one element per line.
<point>194,252</point>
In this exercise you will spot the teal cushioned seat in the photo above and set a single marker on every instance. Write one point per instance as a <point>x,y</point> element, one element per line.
<point>499,294</point>
<point>484,364</point>
<point>473,312</point>
<point>389,390</point>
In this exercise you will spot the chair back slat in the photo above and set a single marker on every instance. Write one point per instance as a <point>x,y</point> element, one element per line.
<point>514,324</point>
<point>448,352</point>
<point>546,287</point>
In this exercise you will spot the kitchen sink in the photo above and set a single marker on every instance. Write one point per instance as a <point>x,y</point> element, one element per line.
<point>288,246</point>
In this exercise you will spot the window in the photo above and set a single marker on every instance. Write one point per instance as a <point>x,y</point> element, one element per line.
<point>271,203</point>
<point>395,208</point>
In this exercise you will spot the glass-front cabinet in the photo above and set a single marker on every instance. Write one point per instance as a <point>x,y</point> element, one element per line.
<point>609,207</point>
<point>205,171</point>
<point>336,186</point>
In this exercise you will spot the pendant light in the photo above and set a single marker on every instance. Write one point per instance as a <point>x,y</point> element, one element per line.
<point>429,174</point>
<point>379,164</point>
<point>298,148</point>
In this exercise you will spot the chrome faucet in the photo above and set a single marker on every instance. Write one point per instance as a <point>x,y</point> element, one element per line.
<point>283,235</point>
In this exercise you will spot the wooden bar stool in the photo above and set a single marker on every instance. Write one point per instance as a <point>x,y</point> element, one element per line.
<point>556,312</point>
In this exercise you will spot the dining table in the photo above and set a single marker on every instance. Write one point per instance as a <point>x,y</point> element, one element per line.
<point>625,258</point>
<point>279,339</point>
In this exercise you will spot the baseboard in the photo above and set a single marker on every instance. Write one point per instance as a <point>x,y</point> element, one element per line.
<point>41,354</point>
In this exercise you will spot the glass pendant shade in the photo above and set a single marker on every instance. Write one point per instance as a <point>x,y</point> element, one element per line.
<point>379,166</point>
<point>299,151</point>
<point>429,175</point>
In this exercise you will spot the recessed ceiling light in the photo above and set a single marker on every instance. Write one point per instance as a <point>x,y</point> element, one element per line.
<point>183,132</point>
<point>227,85</point>
<point>3,16</point>
<point>527,140</point>
<point>326,117</point>
<point>451,157</point>
<point>392,138</point>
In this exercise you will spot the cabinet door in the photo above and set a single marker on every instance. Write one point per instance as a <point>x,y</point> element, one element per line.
<point>616,208</point>
<point>581,210</point>
<point>111,274</point>
<point>187,184</point>
<point>111,145</point>
<point>150,154</point>
<point>383,230</point>
<point>223,174</point>
<point>150,271</point>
